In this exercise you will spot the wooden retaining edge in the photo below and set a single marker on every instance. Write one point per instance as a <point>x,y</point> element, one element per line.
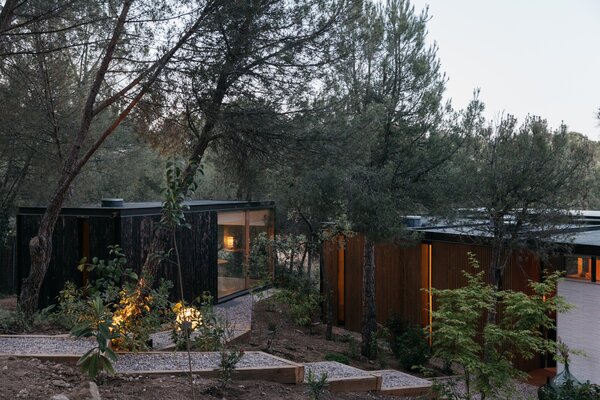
<point>408,391</point>
<point>279,374</point>
<point>403,391</point>
<point>354,384</point>
<point>289,373</point>
<point>61,335</point>
<point>61,358</point>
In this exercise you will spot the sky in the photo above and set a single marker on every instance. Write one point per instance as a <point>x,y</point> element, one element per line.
<point>539,57</point>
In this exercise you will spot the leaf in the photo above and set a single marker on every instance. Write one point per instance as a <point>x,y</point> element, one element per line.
<point>110,354</point>
<point>83,329</point>
<point>85,357</point>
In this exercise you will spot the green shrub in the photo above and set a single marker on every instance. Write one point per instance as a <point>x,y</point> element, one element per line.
<point>71,305</point>
<point>341,358</point>
<point>228,363</point>
<point>97,323</point>
<point>108,275</point>
<point>353,347</point>
<point>304,303</point>
<point>408,343</point>
<point>569,391</point>
<point>12,322</point>
<point>140,311</point>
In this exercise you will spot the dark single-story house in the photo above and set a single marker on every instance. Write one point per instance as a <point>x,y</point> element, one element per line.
<point>214,250</point>
<point>437,260</point>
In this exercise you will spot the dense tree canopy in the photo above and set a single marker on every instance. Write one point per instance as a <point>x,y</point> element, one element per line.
<point>332,108</point>
<point>521,183</point>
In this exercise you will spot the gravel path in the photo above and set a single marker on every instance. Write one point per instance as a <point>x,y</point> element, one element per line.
<point>236,314</point>
<point>392,379</point>
<point>147,362</point>
<point>522,391</point>
<point>334,370</point>
<point>44,345</point>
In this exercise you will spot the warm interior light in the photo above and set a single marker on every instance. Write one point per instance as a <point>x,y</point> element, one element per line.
<point>229,242</point>
<point>186,315</point>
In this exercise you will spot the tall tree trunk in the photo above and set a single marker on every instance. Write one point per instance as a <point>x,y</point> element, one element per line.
<point>40,249</point>
<point>369,318</point>
<point>499,258</point>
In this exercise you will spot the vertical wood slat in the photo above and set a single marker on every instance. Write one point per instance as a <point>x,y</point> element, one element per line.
<point>330,267</point>
<point>8,269</point>
<point>353,282</point>
<point>401,273</point>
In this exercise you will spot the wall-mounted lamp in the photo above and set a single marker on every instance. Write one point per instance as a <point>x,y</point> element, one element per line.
<point>229,242</point>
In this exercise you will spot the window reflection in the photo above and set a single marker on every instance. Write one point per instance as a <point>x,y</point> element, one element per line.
<point>237,231</point>
<point>580,267</point>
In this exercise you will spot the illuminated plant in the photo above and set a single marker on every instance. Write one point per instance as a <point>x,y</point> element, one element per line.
<point>138,313</point>
<point>99,325</point>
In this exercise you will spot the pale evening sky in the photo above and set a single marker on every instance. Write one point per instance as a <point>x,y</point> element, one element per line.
<point>539,57</point>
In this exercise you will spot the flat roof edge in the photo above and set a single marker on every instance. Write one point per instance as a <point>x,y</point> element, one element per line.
<point>150,208</point>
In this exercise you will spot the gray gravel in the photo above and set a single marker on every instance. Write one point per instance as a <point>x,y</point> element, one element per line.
<point>521,390</point>
<point>392,379</point>
<point>179,361</point>
<point>44,345</point>
<point>334,370</point>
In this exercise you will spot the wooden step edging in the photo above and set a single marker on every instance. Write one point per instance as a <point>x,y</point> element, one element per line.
<point>289,373</point>
<point>279,374</point>
<point>404,391</point>
<point>354,384</point>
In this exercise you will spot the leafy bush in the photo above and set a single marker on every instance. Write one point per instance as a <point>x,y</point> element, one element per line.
<point>569,391</point>
<point>211,334</point>
<point>12,322</point>
<point>71,306</point>
<point>140,311</point>
<point>228,363</point>
<point>341,358</point>
<point>353,346</point>
<point>98,324</point>
<point>303,300</point>
<point>486,356</point>
<point>408,343</point>
<point>108,276</point>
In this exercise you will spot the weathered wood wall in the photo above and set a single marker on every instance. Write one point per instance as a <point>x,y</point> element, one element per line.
<point>403,270</point>
<point>197,247</point>
<point>8,267</point>
<point>76,237</point>
<point>397,280</point>
<point>66,254</point>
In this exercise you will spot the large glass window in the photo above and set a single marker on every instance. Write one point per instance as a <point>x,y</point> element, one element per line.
<point>581,267</point>
<point>237,232</point>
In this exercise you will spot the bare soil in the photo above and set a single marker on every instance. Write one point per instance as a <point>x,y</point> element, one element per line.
<point>303,345</point>
<point>35,379</point>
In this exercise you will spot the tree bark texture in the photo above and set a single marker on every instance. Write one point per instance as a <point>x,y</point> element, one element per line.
<point>369,317</point>
<point>40,246</point>
<point>7,14</point>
